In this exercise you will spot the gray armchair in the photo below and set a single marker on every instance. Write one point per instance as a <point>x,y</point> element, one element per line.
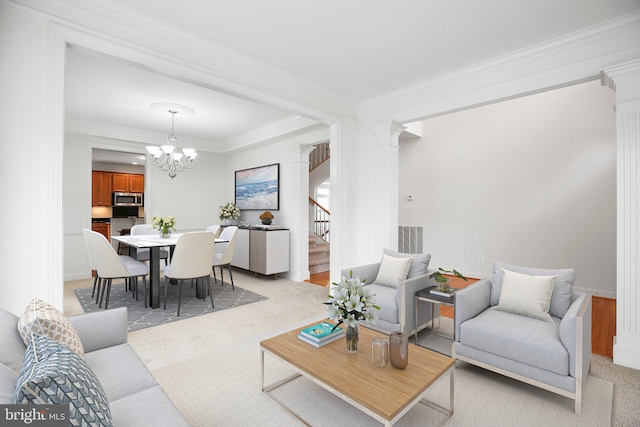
<point>397,305</point>
<point>554,356</point>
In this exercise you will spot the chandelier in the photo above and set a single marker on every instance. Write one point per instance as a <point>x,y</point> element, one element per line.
<point>166,157</point>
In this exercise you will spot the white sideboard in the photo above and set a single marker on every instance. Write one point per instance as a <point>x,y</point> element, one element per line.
<point>261,251</point>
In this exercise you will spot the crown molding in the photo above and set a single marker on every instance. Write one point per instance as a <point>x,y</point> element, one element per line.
<point>575,57</point>
<point>270,133</point>
<point>139,136</point>
<point>125,32</point>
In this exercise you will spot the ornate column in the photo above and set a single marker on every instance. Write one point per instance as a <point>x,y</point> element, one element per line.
<point>625,80</point>
<point>386,181</point>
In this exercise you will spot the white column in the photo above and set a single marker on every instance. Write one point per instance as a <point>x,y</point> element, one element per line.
<point>300,241</point>
<point>625,80</point>
<point>386,181</point>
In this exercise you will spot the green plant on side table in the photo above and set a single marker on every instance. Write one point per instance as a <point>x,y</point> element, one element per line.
<point>443,281</point>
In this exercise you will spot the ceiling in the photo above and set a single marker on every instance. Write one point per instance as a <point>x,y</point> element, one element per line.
<point>359,49</point>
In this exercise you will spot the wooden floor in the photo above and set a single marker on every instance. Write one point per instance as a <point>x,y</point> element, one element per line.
<point>603,320</point>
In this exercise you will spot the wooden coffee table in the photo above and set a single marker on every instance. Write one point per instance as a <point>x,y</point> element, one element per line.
<point>385,394</point>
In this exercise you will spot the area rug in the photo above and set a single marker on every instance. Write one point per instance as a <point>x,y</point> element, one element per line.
<point>228,389</point>
<point>140,317</point>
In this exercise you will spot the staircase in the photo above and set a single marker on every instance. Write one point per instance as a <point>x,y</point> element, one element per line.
<point>318,255</point>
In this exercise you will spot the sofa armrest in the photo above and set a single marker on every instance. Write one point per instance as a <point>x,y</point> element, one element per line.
<point>101,329</point>
<point>575,335</point>
<point>471,301</point>
<point>368,272</point>
<point>406,299</point>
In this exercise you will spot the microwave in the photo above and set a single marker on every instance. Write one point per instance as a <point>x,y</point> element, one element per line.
<point>128,199</point>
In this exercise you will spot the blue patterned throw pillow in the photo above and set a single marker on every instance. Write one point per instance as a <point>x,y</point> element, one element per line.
<point>52,373</point>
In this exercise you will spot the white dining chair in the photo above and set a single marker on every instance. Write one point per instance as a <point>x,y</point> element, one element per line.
<point>215,229</point>
<point>143,254</point>
<point>191,260</point>
<point>110,266</point>
<point>223,255</point>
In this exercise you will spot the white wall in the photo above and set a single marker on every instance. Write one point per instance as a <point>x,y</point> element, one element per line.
<point>531,181</point>
<point>23,107</point>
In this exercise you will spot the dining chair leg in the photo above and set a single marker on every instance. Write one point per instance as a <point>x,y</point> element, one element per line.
<point>214,274</point>
<point>100,282</point>
<point>95,281</point>
<point>104,287</point>
<point>166,284</point>
<point>144,290</point>
<point>231,275</point>
<point>135,287</point>
<point>210,293</point>
<point>221,275</point>
<point>106,304</point>
<point>179,295</point>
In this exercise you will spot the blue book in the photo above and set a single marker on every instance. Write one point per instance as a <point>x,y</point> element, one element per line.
<point>321,332</point>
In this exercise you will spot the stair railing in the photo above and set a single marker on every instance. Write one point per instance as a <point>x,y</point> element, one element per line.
<point>318,156</point>
<point>321,220</point>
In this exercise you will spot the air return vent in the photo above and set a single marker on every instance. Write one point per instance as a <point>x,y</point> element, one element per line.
<point>410,239</point>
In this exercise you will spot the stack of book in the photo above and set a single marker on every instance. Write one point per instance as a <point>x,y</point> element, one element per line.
<point>320,334</point>
<point>443,292</point>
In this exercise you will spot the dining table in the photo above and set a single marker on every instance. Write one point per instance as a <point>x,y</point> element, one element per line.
<point>153,242</point>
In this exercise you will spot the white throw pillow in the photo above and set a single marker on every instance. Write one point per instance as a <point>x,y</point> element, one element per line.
<point>526,295</point>
<point>393,270</point>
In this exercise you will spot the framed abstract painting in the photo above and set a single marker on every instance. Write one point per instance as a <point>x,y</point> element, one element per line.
<point>258,188</point>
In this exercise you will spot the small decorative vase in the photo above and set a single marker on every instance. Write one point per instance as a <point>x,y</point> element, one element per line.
<point>165,234</point>
<point>352,336</point>
<point>266,221</point>
<point>398,350</point>
<point>226,221</point>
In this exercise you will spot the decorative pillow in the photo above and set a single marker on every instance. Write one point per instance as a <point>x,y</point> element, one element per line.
<point>560,299</point>
<point>419,265</point>
<point>53,374</point>
<point>44,319</point>
<point>526,295</point>
<point>393,270</point>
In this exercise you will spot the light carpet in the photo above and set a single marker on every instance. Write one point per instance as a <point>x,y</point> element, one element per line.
<point>210,367</point>
<point>140,317</point>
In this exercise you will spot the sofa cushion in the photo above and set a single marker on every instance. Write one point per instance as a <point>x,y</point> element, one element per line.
<point>52,373</point>
<point>516,337</point>
<point>392,271</point>
<point>561,296</point>
<point>147,408</point>
<point>12,353</point>
<point>419,265</point>
<point>120,371</point>
<point>526,295</point>
<point>42,318</point>
<point>387,300</point>
<point>8,380</point>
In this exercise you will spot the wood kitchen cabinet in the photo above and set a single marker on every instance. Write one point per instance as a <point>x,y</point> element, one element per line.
<point>103,228</point>
<point>128,183</point>
<point>101,188</point>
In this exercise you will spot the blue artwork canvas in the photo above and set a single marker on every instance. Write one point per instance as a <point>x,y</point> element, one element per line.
<point>258,188</point>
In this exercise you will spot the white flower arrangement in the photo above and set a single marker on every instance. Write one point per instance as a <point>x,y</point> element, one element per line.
<point>229,211</point>
<point>351,301</point>
<point>164,225</point>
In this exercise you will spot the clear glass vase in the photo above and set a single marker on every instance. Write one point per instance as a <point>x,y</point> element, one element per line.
<point>352,336</point>
<point>165,234</point>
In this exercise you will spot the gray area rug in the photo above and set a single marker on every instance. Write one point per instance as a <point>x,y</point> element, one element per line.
<point>140,317</point>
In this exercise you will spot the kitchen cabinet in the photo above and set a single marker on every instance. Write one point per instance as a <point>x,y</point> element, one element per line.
<point>101,188</point>
<point>262,251</point>
<point>128,182</point>
<point>103,228</point>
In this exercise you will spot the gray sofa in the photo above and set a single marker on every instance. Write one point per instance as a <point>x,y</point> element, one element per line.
<point>397,305</point>
<point>135,398</point>
<point>553,356</point>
